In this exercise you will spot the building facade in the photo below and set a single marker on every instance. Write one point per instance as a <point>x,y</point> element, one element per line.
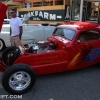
<point>59,11</point>
<point>46,11</point>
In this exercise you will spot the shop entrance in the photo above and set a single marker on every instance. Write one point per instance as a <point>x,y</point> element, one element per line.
<point>90,10</point>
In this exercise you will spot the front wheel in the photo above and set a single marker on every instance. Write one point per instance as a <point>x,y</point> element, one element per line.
<point>18,79</point>
<point>10,54</point>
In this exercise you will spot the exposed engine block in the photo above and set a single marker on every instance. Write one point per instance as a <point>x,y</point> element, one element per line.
<point>40,47</point>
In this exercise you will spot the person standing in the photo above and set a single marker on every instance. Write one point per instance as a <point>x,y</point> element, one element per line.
<point>26,19</point>
<point>16,29</point>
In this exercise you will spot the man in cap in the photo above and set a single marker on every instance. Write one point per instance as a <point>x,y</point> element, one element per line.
<point>16,29</point>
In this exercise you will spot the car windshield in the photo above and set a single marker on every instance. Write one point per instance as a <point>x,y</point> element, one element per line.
<point>64,32</point>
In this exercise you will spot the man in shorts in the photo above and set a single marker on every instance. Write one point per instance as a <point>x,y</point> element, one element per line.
<point>16,29</point>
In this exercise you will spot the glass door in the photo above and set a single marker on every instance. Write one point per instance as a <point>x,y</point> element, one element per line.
<point>92,11</point>
<point>75,11</point>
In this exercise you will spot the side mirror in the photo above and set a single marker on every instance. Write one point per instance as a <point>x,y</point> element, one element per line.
<point>78,41</point>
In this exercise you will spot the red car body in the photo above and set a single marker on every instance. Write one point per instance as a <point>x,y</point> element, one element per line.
<point>70,54</point>
<point>76,45</point>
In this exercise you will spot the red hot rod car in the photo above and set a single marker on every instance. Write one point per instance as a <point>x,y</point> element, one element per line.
<point>71,46</point>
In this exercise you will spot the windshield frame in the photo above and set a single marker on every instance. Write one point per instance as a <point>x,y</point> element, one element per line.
<point>64,33</point>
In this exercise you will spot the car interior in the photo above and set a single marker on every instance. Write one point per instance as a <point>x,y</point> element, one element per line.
<point>88,36</point>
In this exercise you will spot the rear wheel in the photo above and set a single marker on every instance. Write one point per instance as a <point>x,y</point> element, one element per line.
<point>18,79</point>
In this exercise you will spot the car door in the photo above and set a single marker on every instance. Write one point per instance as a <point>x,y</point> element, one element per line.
<point>45,63</point>
<point>86,50</point>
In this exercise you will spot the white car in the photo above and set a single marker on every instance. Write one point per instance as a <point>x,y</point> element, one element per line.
<point>38,31</point>
<point>5,37</point>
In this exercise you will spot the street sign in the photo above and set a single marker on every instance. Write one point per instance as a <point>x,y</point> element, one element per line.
<point>28,5</point>
<point>45,15</point>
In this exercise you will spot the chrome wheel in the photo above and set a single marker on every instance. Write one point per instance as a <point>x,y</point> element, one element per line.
<point>19,80</point>
<point>1,45</point>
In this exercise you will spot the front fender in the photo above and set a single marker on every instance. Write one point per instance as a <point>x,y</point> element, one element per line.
<point>2,66</point>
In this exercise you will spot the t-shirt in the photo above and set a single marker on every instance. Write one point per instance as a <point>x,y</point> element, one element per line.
<point>15,23</point>
<point>26,17</point>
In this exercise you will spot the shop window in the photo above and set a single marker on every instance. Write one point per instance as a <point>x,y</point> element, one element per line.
<point>75,10</point>
<point>47,3</point>
<point>59,2</point>
<point>36,4</point>
<point>92,11</point>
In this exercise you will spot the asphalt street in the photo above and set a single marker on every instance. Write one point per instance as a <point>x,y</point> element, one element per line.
<point>83,84</point>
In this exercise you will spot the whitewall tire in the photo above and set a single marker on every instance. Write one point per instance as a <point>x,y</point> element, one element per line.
<point>2,45</point>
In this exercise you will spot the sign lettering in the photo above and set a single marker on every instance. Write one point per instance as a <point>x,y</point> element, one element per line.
<point>45,15</point>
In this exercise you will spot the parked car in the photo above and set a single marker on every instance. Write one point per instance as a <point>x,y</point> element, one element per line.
<point>71,46</point>
<point>5,37</point>
<point>30,33</point>
<point>38,31</point>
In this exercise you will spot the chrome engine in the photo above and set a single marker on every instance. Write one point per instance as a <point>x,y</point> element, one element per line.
<point>40,47</point>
